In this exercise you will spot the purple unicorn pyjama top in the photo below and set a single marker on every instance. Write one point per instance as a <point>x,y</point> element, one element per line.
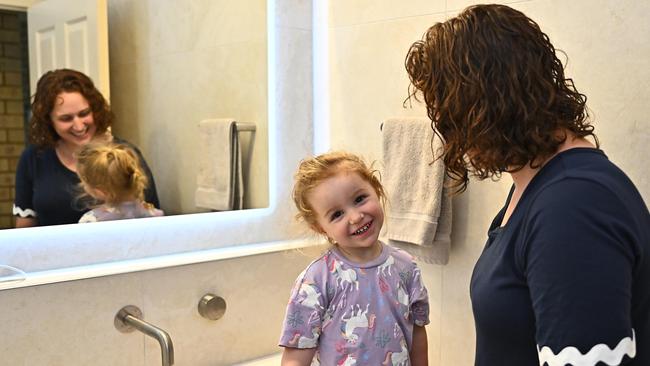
<point>124,210</point>
<point>357,314</point>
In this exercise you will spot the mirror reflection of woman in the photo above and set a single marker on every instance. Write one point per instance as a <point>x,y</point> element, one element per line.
<point>68,112</point>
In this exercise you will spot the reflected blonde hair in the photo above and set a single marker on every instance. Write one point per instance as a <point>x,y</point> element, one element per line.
<point>113,169</point>
<point>313,171</point>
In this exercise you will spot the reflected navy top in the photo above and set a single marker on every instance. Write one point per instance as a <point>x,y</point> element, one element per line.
<point>567,280</point>
<point>47,190</point>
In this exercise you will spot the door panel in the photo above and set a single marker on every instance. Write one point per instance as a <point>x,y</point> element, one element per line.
<point>69,34</point>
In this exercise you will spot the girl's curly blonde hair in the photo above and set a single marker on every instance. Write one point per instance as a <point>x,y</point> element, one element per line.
<point>113,169</point>
<point>313,171</point>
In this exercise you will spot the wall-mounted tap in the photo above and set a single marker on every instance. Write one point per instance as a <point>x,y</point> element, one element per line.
<point>129,318</point>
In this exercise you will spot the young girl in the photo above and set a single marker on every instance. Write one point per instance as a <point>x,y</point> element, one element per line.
<point>362,302</point>
<point>111,174</point>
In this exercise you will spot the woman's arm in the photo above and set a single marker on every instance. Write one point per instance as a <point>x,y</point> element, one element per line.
<point>23,209</point>
<point>25,222</point>
<point>419,350</point>
<point>297,356</point>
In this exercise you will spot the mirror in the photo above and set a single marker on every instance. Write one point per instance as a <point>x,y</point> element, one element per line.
<point>172,65</point>
<point>64,252</point>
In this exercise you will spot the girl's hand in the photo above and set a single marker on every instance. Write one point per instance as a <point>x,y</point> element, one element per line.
<point>419,350</point>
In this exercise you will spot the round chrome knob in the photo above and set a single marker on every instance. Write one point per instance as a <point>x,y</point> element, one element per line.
<point>212,306</point>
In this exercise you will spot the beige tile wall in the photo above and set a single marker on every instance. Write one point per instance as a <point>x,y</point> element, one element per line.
<point>608,44</point>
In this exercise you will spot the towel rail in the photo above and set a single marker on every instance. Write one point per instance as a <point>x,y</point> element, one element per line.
<point>243,126</point>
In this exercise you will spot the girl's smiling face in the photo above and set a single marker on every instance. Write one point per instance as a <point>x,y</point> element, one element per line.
<point>349,212</point>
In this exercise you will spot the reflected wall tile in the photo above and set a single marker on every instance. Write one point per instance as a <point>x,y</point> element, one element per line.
<point>223,22</point>
<point>128,27</point>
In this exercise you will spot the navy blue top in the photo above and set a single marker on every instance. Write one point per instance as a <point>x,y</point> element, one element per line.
<point>569,273</point>
<point>47,190</point>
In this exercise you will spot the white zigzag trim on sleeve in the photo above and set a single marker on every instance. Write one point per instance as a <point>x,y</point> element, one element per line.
<point>598,353</point>
<point>24,213</point>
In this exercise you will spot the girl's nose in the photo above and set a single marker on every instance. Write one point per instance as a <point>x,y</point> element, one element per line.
<point>356,217</point>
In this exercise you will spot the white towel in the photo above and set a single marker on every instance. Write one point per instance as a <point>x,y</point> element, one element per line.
<point>219,180</point>
<point>419,208</point>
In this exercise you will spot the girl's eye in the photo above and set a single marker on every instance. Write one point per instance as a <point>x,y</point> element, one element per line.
<point>65,118</point>
<point>336,215</point>
<point>360,198</point>
<point>84,113</point>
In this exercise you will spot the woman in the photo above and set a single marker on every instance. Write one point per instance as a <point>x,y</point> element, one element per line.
<point>67,113</point>
<point>565,275</point>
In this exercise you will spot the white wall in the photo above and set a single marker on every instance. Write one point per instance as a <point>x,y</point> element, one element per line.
<point>608,44</point>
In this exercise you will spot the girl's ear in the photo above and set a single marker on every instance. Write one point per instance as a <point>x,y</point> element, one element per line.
<point>316,228</point>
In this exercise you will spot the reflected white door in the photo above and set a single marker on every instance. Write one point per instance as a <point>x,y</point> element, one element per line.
<point>69,34</point>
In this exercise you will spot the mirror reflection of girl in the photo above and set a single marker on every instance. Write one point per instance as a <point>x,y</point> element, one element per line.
<point>362,302</point>
<point>111,174</point>
<point>68,111</point>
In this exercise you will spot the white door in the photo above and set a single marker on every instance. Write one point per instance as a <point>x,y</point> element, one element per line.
<point>70,34</point>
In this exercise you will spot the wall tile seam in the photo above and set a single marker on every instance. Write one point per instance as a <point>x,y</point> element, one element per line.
<point>455,11</point>
<point>388,20</point>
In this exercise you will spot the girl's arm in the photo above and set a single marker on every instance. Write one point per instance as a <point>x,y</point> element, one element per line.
<point>298,356</point>
<point>419,350</point>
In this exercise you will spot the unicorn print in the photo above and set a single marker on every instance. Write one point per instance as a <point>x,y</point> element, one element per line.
<point>357,319</point>
<point>397,358</point>
<point>310,296</point>
<point>344,276</point>
<point>347,360</point>
<point>306,342</point>
<point>384,268</point>
<point>402,296</point>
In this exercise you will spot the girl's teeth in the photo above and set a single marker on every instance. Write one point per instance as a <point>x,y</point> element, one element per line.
<point>362,230</point>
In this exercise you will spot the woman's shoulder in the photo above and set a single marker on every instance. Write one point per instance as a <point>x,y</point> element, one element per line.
<point>34,152</point>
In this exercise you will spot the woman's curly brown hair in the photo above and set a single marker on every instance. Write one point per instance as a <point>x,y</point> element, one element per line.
<point>495,92</point>
<point>49,86</point>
